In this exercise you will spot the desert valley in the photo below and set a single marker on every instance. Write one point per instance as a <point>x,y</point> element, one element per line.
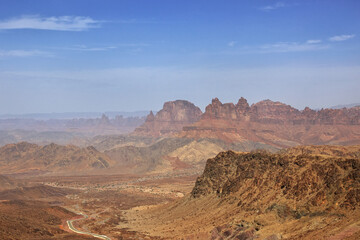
<point>265,171</point>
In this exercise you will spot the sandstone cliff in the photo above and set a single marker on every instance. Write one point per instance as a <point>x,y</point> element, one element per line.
<point>269,112</point>
<point>276,124</point>
<point>170,119</point>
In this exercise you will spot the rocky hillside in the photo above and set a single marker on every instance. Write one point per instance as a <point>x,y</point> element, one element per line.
<point>8,183</point>
<point>276,124</point>
<point>170,119</point>
<point>34,220</point>
<point>299,193</point>
<point>172,154</point>
<point>302,176</point>
<point>30,158</point>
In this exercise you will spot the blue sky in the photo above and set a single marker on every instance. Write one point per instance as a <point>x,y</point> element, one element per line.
<point>102,55</point>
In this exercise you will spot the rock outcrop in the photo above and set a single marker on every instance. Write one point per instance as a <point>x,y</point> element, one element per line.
<point>301,176</point>
<point>170,119</point>
<point>271,112</point>
<point>276,124</point>
<point>284,193</point>
<point>306,192</point>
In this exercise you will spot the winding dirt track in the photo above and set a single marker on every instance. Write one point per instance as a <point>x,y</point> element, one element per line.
<point>72,228</point>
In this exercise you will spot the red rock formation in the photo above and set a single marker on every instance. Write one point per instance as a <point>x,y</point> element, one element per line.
<point>172,118</point>
<point>276,123</point>
<point>268,111</point>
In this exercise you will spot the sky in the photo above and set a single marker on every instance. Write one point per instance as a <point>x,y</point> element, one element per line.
<point>130,55</point>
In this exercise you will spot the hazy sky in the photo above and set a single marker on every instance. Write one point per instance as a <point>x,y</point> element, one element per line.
<point>102,55</point>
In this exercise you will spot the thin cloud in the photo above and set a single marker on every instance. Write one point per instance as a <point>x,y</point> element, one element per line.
<point>90,49</point>
<point>62,23</point>
<point>313,41</point>
<point>273,7</point>
<point>83,47</point>
<point>279,47</point>
<point>284,47</point>
<point>24,53</point>
<point>231,44</point>
<point>340,38</point>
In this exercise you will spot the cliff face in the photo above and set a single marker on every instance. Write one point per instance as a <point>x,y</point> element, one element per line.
<point>170,119</point>
<point>276,124</point>
<point>266,122</point>
<point>271,112</point>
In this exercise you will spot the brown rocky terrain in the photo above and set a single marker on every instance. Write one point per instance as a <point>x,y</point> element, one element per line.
<point>29,158</point>
<point>179,137</point>
<point>174,154</point>
<point>276,124</point>
<point>171,118</point>
<point>9,183</point>
<point>33,220</point>
<point>31,210</point>
<point>300,193</point>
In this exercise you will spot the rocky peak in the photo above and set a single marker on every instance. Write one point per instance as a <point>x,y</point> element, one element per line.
<point>268,111</point>
<point>179,110</point>
<point>104,119</point>
<point>170,119</point>
<point>242,105</point>
<point>215,102</point>
<point>219,110</point>
<point>150,117</point>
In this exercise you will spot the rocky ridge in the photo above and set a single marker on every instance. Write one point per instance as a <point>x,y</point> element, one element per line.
<point>30,158</point>
<point>306,192</point>
<point>304,185</point>
<point>302,176</point>
<point>276,124</point>
<point>270,112</point>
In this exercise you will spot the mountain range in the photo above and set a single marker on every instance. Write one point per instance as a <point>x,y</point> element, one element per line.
<point>180,137</point>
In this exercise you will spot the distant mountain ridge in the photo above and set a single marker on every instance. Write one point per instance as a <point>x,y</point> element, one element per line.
<point>268,122</point>
<point>346,106</point>
<point>30,158</point>
<point>64,131</point>
<point>71,115</point>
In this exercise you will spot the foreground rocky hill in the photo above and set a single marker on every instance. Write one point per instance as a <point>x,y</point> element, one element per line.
<point>276,124</point>
<point>301,193</point>
<point>30,158</point>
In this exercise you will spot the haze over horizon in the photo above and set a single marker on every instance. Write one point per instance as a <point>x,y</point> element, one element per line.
<point>57,56</point>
